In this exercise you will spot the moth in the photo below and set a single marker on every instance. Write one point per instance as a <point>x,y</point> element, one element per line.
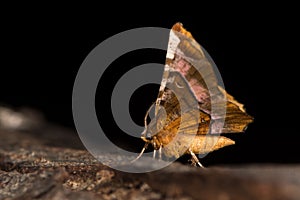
<point>188,111</point>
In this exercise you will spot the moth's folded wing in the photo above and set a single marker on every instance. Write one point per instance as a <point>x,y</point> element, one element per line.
<point>237,119</point>
<point>212,98</point>
<point>176,103</point>
<point>194,122</point>
<point>189,78</point>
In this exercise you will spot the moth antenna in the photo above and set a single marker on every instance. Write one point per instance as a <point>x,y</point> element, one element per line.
<point>196,159</point>
<point>140,155</point>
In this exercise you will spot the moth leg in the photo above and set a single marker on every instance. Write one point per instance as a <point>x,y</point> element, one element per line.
<point>196,159</point>
<point>154,154</point>
<point>160,152</point>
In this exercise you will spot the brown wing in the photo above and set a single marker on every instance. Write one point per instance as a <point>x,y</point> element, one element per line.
<point>188,71</point>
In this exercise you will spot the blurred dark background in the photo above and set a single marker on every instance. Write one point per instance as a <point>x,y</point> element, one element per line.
<point>41,53</point>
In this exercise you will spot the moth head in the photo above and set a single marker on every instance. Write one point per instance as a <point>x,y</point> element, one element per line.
<point>146,136</point>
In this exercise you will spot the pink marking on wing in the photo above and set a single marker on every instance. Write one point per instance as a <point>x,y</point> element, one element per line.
<point>193,81</point>
<point>182,67</point>
<point>180,64</point>
<point>198,90</point>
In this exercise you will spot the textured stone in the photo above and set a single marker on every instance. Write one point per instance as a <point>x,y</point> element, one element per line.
<point>49,162</point>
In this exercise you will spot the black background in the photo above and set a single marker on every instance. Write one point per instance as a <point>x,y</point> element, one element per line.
<point>254,52</point>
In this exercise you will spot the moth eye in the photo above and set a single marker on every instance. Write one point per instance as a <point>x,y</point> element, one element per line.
<point>148,136</point>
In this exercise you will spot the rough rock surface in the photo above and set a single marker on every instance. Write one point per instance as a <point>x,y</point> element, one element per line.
<point>49,162</point>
